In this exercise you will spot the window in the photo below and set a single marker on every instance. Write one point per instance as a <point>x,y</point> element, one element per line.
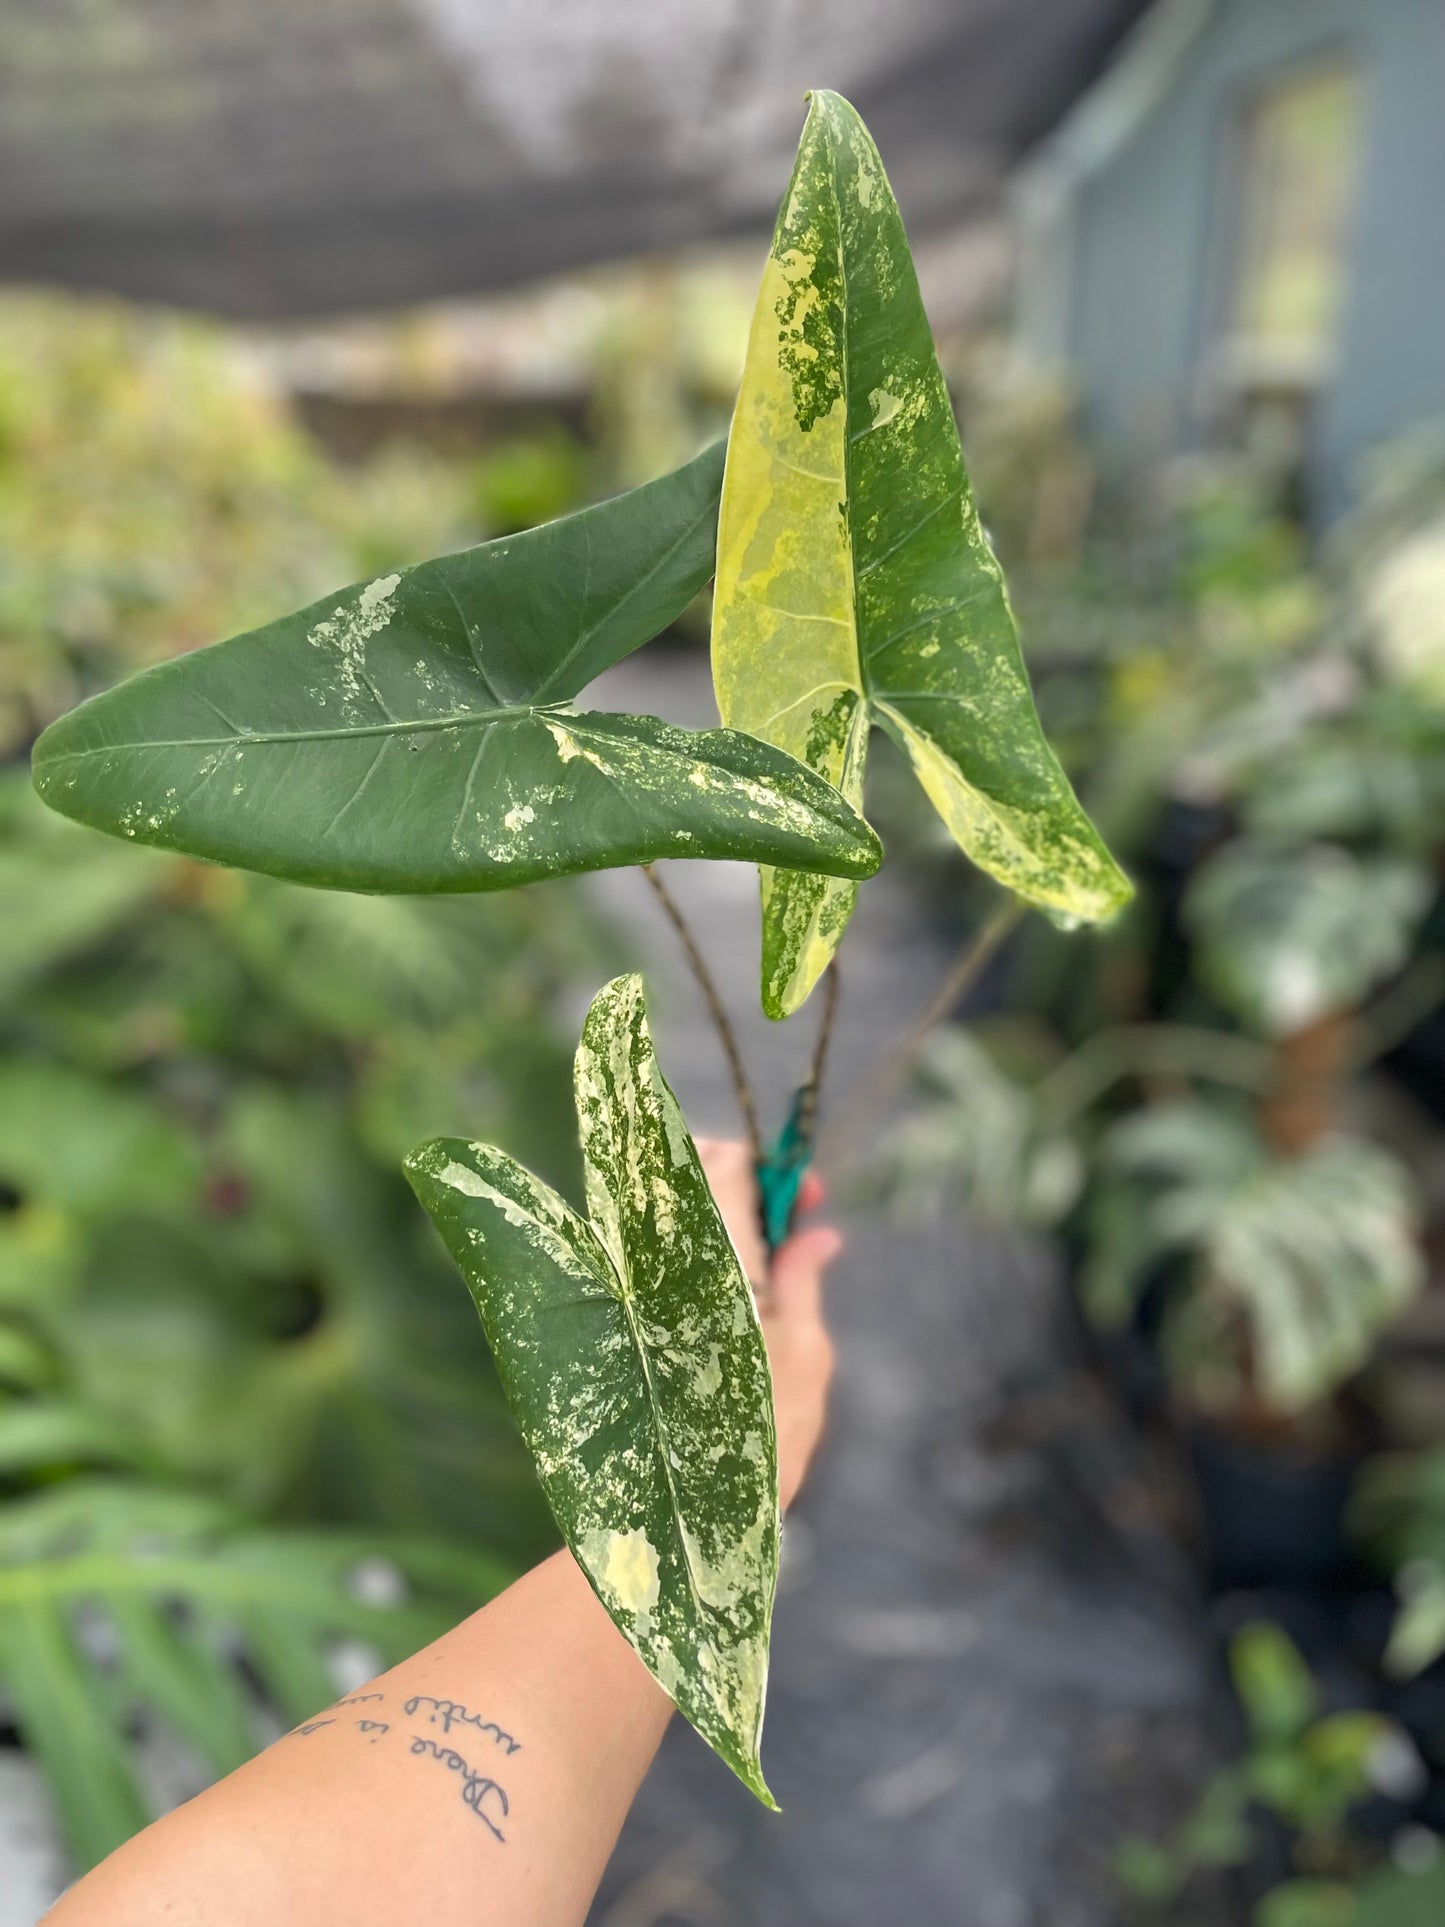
<point>1296,168</point>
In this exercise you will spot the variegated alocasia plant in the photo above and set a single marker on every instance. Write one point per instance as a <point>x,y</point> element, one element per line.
<point>417,734</point>
<point>634,1363</point>
<point>855,584</point>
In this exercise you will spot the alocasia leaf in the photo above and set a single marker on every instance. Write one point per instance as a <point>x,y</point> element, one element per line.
<point>630,1351</point>
<point>414,733</point>
<point>854,582</point>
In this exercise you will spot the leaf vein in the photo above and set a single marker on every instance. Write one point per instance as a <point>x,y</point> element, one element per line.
<point>904,540</point>
<point>637,585</point>
<point>371,770</point>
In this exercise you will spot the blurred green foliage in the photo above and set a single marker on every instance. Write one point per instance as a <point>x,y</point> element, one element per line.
<point>1303,1767</point>
<point>1230,1103</point>
<point>229,1342</point>
<point>1197,1094</point>
<point>155,494</point>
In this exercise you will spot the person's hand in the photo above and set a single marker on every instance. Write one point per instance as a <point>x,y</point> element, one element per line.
<point>790,1302</point>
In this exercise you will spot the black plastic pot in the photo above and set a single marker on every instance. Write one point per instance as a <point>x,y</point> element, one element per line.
<point>1271,1518</point>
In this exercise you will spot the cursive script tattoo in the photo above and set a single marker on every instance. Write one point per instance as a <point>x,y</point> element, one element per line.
<point>375,1728</point>
<point>311,1726</point>
<point>358,1699</point>
<point>448,1713</point>
<point>475,1786</point>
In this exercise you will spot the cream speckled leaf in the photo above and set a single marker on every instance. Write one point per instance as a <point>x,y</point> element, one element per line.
<point>415,733</point>
<point>634,1363</point>
<point>854,582</point>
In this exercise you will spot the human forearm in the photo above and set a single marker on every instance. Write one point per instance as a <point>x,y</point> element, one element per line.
<point>484,1779</point>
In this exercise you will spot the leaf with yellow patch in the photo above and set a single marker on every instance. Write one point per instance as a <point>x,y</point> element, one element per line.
<point>631,1354</point>
<point>855,584</point>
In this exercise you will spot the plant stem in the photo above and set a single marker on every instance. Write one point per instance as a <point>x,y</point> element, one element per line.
<point>722,1023</point>
<point>864,1103</point>
<point>809,1118</point>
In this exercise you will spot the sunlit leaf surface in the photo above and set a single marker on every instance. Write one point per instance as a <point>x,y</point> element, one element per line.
<point>415,733</point>
<point>631,1353</point>
<point>854,582</point>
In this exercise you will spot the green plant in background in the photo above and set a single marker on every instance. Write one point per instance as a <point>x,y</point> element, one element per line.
<point>1213,1101</point>
<point>219,1325</point>
<point>416,733</point>
<point>217,1319</point>
<point>1294,1262</point>
<point>1303,1768</point>
<point>1204,1108</point>
<point>1288,934</point>
<point>1282,1269</point>
<point>119,1598</point>
<point>153,487</point>
<point>1399,1506</point>
<point>528,479</point>
<point>1388,1897</point>
<point>206,1088</point>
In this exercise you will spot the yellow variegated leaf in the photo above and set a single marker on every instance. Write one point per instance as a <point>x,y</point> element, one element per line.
<point>632,1356</point>
<point>854,582</point>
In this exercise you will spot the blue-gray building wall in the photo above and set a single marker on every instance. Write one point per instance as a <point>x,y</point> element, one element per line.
<point>1149,236</point>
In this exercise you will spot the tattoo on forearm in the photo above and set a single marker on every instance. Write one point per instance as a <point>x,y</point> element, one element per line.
<point>448,1713</point>
<point>475,1786</point>
<point>478,1789</point>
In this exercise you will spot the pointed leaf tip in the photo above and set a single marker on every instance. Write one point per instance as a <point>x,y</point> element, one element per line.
<point>893,611</point>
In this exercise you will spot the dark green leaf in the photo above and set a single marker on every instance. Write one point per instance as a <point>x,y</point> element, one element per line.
<point>414,734</point>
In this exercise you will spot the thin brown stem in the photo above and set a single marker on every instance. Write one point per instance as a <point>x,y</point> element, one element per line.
<point>722,1023</point>
<point>826,1023</point>
<point>864,1103</point>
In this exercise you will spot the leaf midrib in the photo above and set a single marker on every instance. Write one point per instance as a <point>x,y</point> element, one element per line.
<point>463,719</point>
<point>659,1426</point>
<point>832,179</point>
<point>633,590</point>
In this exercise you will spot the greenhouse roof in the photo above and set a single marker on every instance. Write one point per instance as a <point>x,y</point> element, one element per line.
<point>288,157</point>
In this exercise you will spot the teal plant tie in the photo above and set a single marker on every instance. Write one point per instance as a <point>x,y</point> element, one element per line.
<point>781,1172</point>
